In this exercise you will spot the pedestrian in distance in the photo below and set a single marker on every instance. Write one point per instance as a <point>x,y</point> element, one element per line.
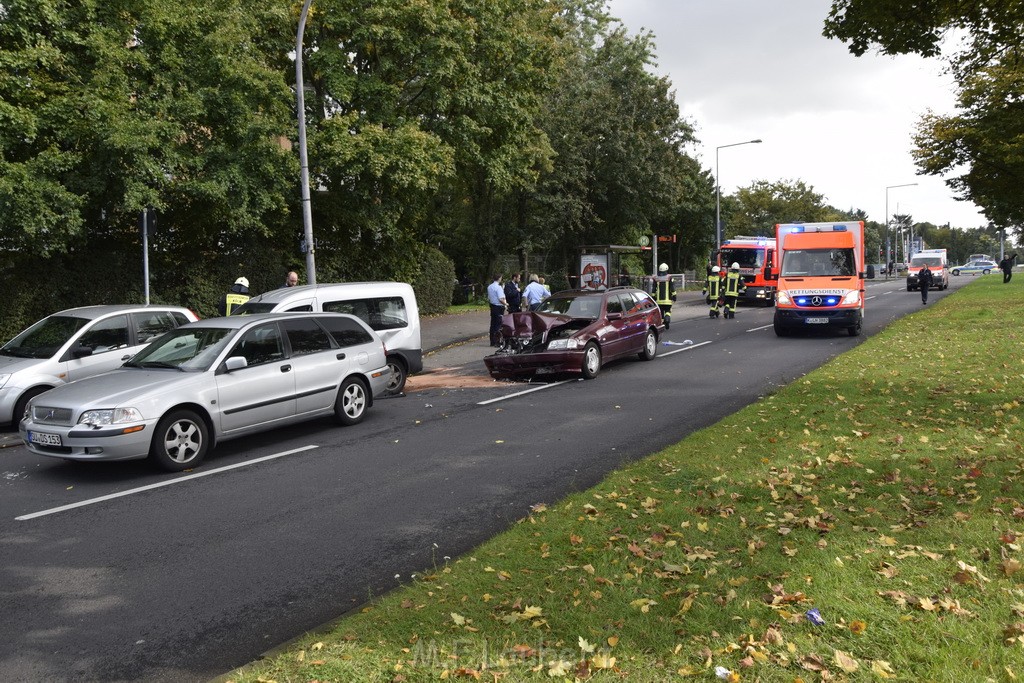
<point>1006,265</point>
<point>733,286</point>
<point>664,293</point>
<point>924,282</point>
<point>291,279</point>
<point>513,296</point>
<point>237,296</point>
<point>713,290</point>
<point>534,293</point>
<point>496,299</point>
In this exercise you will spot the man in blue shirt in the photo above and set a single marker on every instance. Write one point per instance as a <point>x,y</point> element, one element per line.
<point>534,293</point>
<point>496,298</point>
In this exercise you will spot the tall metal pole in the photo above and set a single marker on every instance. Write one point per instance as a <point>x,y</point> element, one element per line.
<point>307,210</point>
<point>888,243</point>
<point>718,192</point>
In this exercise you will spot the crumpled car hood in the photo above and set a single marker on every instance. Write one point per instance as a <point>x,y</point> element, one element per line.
<point>529,323</point>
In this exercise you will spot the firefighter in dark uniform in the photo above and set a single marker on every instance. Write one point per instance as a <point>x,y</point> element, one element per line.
<point>238,295</point>
<point>734,286</point>
<point>664,293</point>
<point>713,290</point>
<point>924,281</point>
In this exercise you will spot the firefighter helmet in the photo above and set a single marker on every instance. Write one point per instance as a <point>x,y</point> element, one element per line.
<point>734,266</point>
<point>663,268</point>
<point>242,281</point>
<point>716,269</point>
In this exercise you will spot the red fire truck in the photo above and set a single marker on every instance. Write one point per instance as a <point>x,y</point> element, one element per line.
<point>756,256</point>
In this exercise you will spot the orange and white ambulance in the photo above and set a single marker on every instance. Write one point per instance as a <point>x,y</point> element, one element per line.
<point>820,277</point>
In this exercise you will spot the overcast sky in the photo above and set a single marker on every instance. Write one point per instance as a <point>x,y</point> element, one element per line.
<point>747,69</point>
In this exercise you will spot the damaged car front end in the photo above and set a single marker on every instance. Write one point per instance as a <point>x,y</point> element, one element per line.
<point>576,333</point>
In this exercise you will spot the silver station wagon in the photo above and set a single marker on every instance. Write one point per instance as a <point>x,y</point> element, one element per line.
<point>210,381</point>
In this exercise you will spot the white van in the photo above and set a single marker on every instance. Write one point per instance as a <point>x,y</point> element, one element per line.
<point>387,307</point>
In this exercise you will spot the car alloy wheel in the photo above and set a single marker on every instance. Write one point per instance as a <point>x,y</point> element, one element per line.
<point>591,361</point>
<point>650,346</point>
<point>397,382</point>
<point>352,402</point>
<point>180,441</point>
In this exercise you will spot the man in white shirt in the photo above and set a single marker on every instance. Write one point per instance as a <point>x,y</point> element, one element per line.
<point>496,298</point>
<point>534,293</point>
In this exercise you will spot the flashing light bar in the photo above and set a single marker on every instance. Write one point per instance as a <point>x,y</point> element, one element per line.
<point>812,228</point>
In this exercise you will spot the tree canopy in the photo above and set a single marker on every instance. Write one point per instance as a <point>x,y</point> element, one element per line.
<point>981,147</point>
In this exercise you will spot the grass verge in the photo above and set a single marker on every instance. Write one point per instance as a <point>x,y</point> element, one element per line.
<point>864,523</point>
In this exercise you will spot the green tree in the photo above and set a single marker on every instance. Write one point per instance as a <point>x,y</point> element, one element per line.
<point>754,210</point>
<point>982,145</point>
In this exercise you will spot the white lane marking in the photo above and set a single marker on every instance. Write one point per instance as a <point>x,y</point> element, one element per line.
<point>555,384</point>
<point>205,473</point>
<point>687,348</point>
<point>763,327</point>
<point>524,392</point>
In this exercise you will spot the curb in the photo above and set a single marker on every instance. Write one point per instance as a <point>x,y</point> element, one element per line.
<point>9,440</point>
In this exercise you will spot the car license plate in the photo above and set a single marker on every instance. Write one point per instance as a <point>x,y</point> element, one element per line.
<point>816,321</point>
<point>44,439</point>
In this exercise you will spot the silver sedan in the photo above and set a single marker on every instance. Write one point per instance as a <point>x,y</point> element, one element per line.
<point>211,381</point>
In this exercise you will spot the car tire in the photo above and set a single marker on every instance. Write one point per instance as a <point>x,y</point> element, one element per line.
<point>180,441</point>
<point>22,403</point>
<point>352,402</point>
<point>856,329</point>
<point>986,271</point>
<point>650,346</point>
<point>781,331</point>
<point>956,272</point>
<point>398,375</point>
<point>591,361</point>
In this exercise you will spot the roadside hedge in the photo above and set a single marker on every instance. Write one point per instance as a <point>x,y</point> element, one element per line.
<point>433,285</point>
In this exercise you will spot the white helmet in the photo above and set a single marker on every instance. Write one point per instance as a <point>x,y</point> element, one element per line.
<point>716,269</point>
<point>242,281</point>
<point>663,268</point>
<point>734,266</point>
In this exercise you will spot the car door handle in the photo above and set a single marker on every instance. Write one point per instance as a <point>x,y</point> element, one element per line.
<point>340,356</point>
<point>126,357</point>
<point>285,368</point>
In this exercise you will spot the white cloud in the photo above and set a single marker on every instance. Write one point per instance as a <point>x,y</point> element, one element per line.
<point>744,69</point>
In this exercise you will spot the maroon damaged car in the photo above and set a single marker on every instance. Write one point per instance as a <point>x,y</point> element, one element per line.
<point>577,331</point>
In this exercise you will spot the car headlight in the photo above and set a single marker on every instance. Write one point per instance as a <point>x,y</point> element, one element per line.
<point>110,416</point>
<point>558,344</point>
<point>3,379</point>
<point>783,298</point>
<point>852,297</point>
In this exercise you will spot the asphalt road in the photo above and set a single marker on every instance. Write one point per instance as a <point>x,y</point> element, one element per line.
<point>281,532</point>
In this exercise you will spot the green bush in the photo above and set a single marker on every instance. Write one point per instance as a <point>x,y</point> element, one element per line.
<point>433,285</point>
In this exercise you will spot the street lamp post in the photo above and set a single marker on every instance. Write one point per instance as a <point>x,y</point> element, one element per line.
<point>307,211</point>
<point>888,244</point>
<point>718,192</point>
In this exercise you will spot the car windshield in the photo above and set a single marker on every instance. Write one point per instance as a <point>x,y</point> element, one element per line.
<point>828,262</point>
<point>930,261</point>
<point>186,349</point>
<point>582,306</point>
<point>747,258</point>
<point>250,307</point>
<point>45,338</point>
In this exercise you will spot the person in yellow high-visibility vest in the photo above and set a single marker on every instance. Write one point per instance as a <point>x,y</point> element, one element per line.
<point>713,290</point>
<point>734,286</point>
<point>664,293</point>
<point>238,295</point>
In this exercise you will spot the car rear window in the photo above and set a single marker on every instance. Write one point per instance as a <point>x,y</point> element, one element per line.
<point>305,336</point>
<point>151,324</point>
<point>380,313</point>
<point>346,331</point>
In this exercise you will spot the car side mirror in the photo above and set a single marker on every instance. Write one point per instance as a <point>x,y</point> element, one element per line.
<point>614,316</point>
<point>235,363</point>
<point>81,352</point>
